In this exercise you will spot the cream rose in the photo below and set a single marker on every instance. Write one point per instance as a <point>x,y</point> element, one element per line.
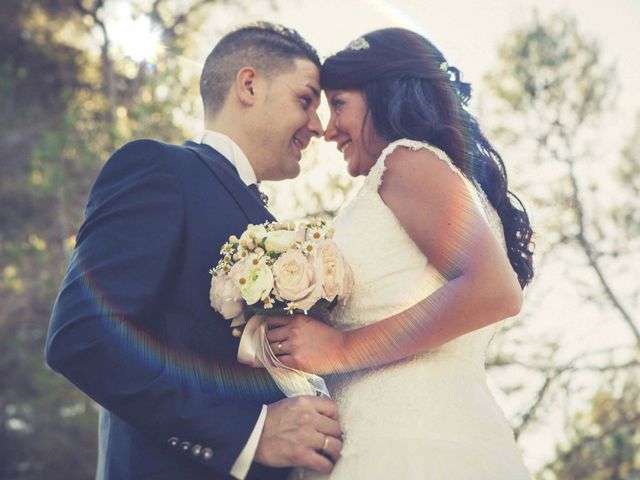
<point>256,282</point>
<point>280,240</point>
<point>332,270</point>
<point>295,280</point>
<point>225,296</point>
<point>257,231</point>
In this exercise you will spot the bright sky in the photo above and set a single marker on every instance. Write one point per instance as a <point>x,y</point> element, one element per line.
<point>466,30</point>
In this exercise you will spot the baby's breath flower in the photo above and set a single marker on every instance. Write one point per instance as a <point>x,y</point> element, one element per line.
<point>226,248</point>
<point>267,302</point>
<point>291,306</point>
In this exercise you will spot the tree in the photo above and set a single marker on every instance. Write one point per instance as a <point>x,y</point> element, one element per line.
<point>552,89</point>
<point>550,97</point>
<point>69,97</point>
<point>603,441</point>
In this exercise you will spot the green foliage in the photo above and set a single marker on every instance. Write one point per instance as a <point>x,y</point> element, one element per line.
<point>62,113</point>
<point>604,441</point>
<point>553,75</point>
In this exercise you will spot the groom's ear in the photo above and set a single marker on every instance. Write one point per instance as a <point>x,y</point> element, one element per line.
<point>245,85</point>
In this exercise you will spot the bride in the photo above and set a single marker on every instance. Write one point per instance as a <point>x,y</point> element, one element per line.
<point>440,251</point>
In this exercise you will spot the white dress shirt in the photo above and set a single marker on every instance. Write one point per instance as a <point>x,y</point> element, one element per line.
<point>232,152</point>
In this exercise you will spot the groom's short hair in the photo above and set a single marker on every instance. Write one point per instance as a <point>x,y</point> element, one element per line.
<point>269,48</point>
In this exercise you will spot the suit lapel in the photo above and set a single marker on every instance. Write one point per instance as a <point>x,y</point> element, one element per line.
<point>219,166</point>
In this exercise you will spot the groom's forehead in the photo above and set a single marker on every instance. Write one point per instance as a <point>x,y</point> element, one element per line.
<point>307,74</point>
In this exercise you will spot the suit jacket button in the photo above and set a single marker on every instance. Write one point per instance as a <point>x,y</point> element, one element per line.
<point>196,449</point>
<point>207,453</point>
<point>173,441</point>
<point>185,446</point>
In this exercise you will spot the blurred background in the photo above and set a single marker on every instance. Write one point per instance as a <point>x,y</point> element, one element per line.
<point>555,88</point>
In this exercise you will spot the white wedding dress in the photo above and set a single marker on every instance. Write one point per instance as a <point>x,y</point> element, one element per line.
<point>430,416</point>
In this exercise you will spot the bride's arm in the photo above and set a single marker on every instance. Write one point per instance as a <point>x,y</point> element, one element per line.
<point>434,206</point>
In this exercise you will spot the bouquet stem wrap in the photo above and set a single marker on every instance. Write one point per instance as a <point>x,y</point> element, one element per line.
<point>256,351</point>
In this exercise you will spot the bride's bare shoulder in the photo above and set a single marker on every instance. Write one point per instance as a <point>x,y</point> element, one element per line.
<point>419,172</point>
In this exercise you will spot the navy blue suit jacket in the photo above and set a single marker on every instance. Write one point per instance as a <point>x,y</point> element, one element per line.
<point>132,326</point>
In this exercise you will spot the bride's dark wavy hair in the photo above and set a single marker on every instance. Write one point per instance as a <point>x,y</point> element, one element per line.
<point>412,92</point>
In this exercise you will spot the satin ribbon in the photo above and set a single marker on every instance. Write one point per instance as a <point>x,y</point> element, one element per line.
<point>255,350</point>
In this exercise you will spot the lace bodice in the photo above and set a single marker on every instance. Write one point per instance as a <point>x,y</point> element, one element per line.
<point>391,272</point>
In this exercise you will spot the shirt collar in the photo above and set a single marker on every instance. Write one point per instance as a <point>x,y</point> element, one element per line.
<point>232,152</point>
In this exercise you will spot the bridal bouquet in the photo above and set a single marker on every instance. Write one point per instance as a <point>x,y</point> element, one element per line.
<point>278,269</point>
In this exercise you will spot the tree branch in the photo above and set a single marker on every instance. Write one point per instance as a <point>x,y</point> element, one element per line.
<point>592,257</point>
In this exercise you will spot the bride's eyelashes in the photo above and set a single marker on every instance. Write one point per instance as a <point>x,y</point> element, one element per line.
<point>336,103</point>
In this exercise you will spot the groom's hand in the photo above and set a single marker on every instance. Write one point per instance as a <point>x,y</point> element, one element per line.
<point>300,432</point>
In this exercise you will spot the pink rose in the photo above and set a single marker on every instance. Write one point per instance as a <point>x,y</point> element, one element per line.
<point>295,280</point>
<point>333,272</point>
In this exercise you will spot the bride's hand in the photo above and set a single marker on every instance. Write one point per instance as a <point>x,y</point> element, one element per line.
<point>306,344</point>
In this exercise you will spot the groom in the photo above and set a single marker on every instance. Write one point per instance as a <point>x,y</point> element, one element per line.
<point>132,325</point>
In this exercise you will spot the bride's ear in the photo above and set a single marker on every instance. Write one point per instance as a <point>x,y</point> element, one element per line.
<point>245,86</point>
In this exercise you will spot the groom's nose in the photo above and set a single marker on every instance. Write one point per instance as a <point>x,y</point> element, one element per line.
<point>315,125</point>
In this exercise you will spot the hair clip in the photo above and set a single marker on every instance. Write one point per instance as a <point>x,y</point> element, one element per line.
<point>359,43</point>
<point>444,66</point>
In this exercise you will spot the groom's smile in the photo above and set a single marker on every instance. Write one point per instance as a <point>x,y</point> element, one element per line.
<point>288,119</point>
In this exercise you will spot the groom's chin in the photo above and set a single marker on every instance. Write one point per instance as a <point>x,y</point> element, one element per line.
<point>292,171</point>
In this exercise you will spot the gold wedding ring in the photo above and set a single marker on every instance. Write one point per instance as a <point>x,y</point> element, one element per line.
<point>325,444</point>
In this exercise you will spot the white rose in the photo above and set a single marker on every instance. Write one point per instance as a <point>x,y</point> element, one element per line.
<point>295,280</point>
<point>225,296</point>
<point>332,271</point>
<point>301,235</point>
<point>258,282</point>
<point>280,241</point>
<point>258,231</point>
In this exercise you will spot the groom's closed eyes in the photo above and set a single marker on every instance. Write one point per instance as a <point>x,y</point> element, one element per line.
<point>311,96</point>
